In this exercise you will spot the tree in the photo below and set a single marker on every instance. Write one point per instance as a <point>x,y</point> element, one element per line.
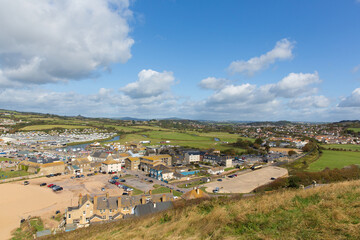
<point>291,152</point>
<point>259,141</point>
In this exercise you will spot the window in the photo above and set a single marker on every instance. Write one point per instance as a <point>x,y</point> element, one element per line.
<point>87,220</point>
<point>69,215</point>
<point>84,212</point>
<point>87,205</point>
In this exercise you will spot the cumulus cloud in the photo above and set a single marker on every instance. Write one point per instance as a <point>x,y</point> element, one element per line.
<point>213,83</point>
<point>281,51</point>
<point>50,41</point>
<point>150,83</point>
<point>295,84</point>
<point>351,101</point>
<point>309,102</point>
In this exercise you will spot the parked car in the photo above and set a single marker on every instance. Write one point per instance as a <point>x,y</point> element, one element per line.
<point>115,177</point>
<point>72,177</point>
<point>57,212</point>
<point>54,186</point>
<point>82,175</point>
<point>125,193</point>
<point>26,182</point>
<point>50,185</point>
<point>151,181</point>
<point>122,180</point>
<point>272,178</point>
<point>57,188</point>
<point>42,184</point>
<point>219,179</point>
<point>103,189</point>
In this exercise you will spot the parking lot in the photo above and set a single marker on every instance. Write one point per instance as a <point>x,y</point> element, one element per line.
<point>247,182</point>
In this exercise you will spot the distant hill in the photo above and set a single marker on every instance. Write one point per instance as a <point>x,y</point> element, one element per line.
<point>326,212</point>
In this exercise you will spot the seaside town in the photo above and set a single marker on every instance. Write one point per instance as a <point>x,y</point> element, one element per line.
<point>88,175</point>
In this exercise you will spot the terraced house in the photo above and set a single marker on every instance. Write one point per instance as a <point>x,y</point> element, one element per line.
<point>107,208</point>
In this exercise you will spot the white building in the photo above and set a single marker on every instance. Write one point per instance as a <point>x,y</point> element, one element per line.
<point>216,170</point>
<point>192,157</point>
<point>110,166</point>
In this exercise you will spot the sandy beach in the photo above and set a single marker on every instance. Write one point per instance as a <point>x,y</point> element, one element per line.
<point>18,201</point>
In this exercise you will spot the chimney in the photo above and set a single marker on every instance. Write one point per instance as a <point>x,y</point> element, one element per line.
<point>197,191</point>
<point>80,199</point>
<point>150,192</point>
<point>119,203</point>
<point>143,199</point>
<point>95,202</point>
<point>163,199</point>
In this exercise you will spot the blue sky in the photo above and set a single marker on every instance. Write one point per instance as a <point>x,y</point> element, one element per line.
<point>217,60</point>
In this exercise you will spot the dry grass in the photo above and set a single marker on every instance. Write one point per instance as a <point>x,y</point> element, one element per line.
<point>328,212</point>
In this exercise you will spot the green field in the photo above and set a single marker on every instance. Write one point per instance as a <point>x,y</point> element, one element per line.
<point>6,159</point>
<point>47,127</point>
<point>354,129</point>
<point>188,139</point>
<point>124,128</point>
<point>10,174</point>
<point>335,159</point>
<point>159,190</point>
<point>352,147</point>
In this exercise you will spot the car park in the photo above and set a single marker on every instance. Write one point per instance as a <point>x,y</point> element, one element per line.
<point>42,184</point>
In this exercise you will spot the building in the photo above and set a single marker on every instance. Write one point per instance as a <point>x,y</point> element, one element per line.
<point>161,172</point>
<point>215,170</point>
<point>192,157</point>
<point>106,208</point>
<point>222,160</point>
<point>148,162</point>
<point>110,166</point>
<point>132,163</point>
<point>83,164</point>
<point>43,169</point>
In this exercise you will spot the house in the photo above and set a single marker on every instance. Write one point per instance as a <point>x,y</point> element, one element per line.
<point>106,208</point>
<point>83,164</point>
<point>161,172</point>
<point>52,168</point>
<point>98,156</point>
<point>132,163</point>
<point>217,160</point>
<point>150,208</point>
<point>110,166</point>
<point>215,170</point>
<point>192,157</point>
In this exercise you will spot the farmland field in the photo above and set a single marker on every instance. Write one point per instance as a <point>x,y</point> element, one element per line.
<point>124,128</point>
<point>188,139</point>
<point>47,127</point>
<point>352,147</point>
<point>354,129</point>
<point>335,159</point>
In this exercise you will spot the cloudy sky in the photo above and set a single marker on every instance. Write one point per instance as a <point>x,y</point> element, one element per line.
<point>218,60</point>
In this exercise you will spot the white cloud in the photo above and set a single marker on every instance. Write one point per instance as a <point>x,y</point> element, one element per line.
<point>231,94</point>
<point>351,101</point>
<point>296,84</point>
<point>150,83</point>
<point>49,41</point>
<point>309,102</point>
<point>213,83</point>
<point>281,51</point>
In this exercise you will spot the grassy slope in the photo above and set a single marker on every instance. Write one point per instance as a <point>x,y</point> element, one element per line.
<point>335,159</point>
<point>354,129</point>
<point>7,159</point>
<point>10,174</point>
<point>328,212</point>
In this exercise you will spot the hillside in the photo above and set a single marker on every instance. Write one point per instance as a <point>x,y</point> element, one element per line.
<point>327,212</point>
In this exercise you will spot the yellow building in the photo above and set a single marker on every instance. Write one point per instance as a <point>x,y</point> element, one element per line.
<point>132,163</point>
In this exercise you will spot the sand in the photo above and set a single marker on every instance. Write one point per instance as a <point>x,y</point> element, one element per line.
<point>18,201</point>
<point>247,182</point>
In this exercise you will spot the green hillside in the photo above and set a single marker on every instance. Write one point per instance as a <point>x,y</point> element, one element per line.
<point>327,212</point>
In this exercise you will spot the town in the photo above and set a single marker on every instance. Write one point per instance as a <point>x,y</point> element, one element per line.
<point>85,174</point>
